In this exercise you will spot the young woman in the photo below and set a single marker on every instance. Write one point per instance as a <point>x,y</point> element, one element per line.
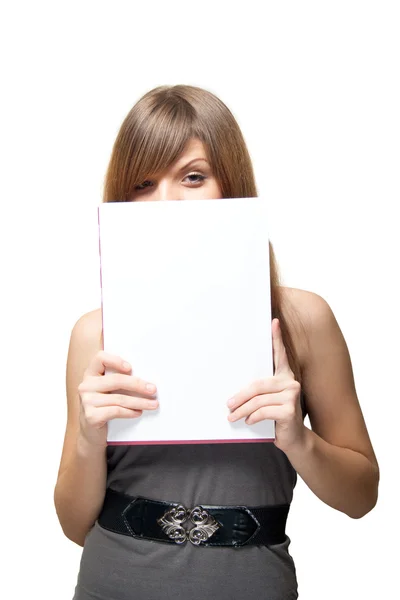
<point>183,143</point>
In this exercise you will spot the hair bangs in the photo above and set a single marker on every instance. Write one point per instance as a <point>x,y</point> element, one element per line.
<point>160,138</point>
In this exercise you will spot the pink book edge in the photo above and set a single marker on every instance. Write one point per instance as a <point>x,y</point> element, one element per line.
<point>170,442</point>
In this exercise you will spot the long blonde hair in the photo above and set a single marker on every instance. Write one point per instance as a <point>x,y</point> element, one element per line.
<point>154,134</point>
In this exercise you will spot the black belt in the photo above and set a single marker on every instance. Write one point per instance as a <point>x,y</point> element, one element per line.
<point>213,525</point>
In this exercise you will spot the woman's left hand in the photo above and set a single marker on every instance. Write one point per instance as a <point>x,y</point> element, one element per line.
<point>276,397</point>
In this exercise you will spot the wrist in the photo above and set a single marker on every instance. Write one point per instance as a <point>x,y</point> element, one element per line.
<point>87,448</point>
<point>301,446</point>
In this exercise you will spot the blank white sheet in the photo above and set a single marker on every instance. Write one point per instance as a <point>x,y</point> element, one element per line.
<point>186,300</point>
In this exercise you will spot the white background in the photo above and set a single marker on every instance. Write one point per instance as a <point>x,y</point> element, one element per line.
<point>315,88</point>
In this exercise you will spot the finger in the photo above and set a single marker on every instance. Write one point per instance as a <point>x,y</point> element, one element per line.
<point>117,381</point>
<point>265,413</point>
<point>103,360</point>
<point>96,417</point>
<point>267,385</point>
<point>254,404</point>
<point>280,356</point>
<point>101,400</point>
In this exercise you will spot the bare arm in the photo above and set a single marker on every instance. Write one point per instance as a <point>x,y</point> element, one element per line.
<point>342,478</point>
<point>93,400</point>
<point>336,459</point>
<point>80,490</point>
<point>81,483</point>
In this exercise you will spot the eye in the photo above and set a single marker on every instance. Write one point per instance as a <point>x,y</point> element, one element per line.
<point>198,177</point>
<point>143,185</point>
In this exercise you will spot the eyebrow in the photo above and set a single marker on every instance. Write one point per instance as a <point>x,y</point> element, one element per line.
<point>191,162</point>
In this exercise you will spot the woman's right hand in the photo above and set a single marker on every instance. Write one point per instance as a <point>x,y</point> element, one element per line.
<point>100,402</point>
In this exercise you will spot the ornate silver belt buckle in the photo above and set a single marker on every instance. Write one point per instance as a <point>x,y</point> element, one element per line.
<point>204,524</point>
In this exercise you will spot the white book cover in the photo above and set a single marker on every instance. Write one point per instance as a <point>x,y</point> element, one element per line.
<point>186,300</point>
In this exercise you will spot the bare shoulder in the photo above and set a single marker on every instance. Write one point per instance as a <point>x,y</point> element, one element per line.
<point>309,304</point>
<point>306,311</point>
<point>89,327</point>
<point>93,319</point>
<point>316,318</point>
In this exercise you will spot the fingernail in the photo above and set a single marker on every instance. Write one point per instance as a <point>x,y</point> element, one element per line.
<point>231,402</point>
<point>150,387</point>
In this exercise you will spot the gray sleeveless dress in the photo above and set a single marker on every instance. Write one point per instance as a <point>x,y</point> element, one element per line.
<point>118,567</point>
